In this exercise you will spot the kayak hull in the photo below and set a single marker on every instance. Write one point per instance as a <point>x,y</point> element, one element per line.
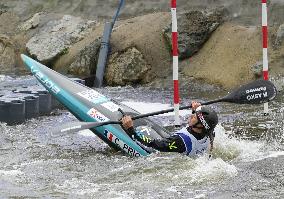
<point>88,105</point>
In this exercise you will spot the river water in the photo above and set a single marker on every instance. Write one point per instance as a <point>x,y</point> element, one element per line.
<point>247,159</point>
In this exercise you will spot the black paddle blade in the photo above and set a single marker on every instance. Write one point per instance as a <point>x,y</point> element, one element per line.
<point>256,92</point>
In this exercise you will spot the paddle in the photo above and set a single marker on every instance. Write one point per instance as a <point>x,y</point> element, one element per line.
<point>256,92</point>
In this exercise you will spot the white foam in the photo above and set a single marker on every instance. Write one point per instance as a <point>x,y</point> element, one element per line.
<point>212,170</point>
<point>276,154</point>
<point>10,172</point>
<point>181,170</point>
<point>272,154</point>
<point>82,187</point>
<point>241,149</point>
<point>79,187</point>
<point>87,133</point>
<point>231,148</point>
<point>39,162</point>
<point>2,78</point>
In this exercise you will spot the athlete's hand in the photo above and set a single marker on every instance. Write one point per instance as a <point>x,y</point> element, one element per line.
<point>127,122</point>
<point>195,105</point>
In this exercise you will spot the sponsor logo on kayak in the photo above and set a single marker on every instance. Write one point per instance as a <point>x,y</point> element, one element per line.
<point>110,106</point>
<point>44,80</point>
<point>97,115</point>
<point>129,150</point>
<point>93,96</point>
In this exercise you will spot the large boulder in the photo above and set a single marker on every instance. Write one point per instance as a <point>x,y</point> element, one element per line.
<point>7,55</point>
<point>247,11</point>
<point>227,57</point>
<point>194,29</point>
<point>280,36</point>
<point>31,23</point>
<point>56,37</point>
<point>86,61</point>
<point>128,67</point>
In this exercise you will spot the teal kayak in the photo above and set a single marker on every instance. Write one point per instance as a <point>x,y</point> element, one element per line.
<point>88,105</point>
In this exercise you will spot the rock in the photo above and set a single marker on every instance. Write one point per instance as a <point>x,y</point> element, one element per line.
<point>257,69</point>
<point>227,57</point>
<point>280,36</point>
<point>248,10</point>
<point>194,29</point>
<point>86,61</point>
<point>31,23</point>
<point>3,8</point>
<point>129,67</point>
<point>9,23</point>
<point>2,11</point>
<point>56,37</point>
<point>7,56</point>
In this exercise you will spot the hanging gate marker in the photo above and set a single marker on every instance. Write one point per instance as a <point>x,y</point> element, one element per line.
<point>265,46</point>
<point>175,61</point>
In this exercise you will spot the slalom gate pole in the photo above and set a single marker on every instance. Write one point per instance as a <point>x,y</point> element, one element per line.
<point>175,61</point>
<point>265,45</point>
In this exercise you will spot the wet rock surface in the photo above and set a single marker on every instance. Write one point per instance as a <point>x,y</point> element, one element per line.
<point>65,35</point>
<point>194,29</point>
<point>55,38</point>
<point>86,61</point>
<point>128,67</point>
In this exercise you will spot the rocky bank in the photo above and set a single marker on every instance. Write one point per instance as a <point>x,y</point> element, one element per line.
<point>220,42</point>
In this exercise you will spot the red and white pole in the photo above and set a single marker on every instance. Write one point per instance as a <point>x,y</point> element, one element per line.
<point>265,45</point>
<point>175,60</point>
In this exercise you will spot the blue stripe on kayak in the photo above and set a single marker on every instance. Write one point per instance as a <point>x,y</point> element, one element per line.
<point>81,110</point>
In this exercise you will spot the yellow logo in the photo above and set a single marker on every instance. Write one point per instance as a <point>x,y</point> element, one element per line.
<point>146,139</point>
<point>172,146</point>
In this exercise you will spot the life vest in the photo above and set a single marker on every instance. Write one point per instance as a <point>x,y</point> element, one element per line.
<point>193,146</point>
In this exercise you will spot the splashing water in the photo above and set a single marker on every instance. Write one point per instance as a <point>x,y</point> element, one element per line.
<point>82,166</point>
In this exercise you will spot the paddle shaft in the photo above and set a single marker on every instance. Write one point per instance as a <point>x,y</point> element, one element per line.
<point>88,125</point>
<point>172,109</point>
<point>256,92</point>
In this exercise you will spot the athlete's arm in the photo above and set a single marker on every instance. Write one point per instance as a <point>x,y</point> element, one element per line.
<point>171,144</point>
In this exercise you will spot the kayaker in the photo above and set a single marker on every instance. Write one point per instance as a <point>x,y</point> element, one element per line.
<point>194,139</point>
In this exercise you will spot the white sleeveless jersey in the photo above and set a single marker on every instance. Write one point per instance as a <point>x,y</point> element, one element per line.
<point>193,146</point>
